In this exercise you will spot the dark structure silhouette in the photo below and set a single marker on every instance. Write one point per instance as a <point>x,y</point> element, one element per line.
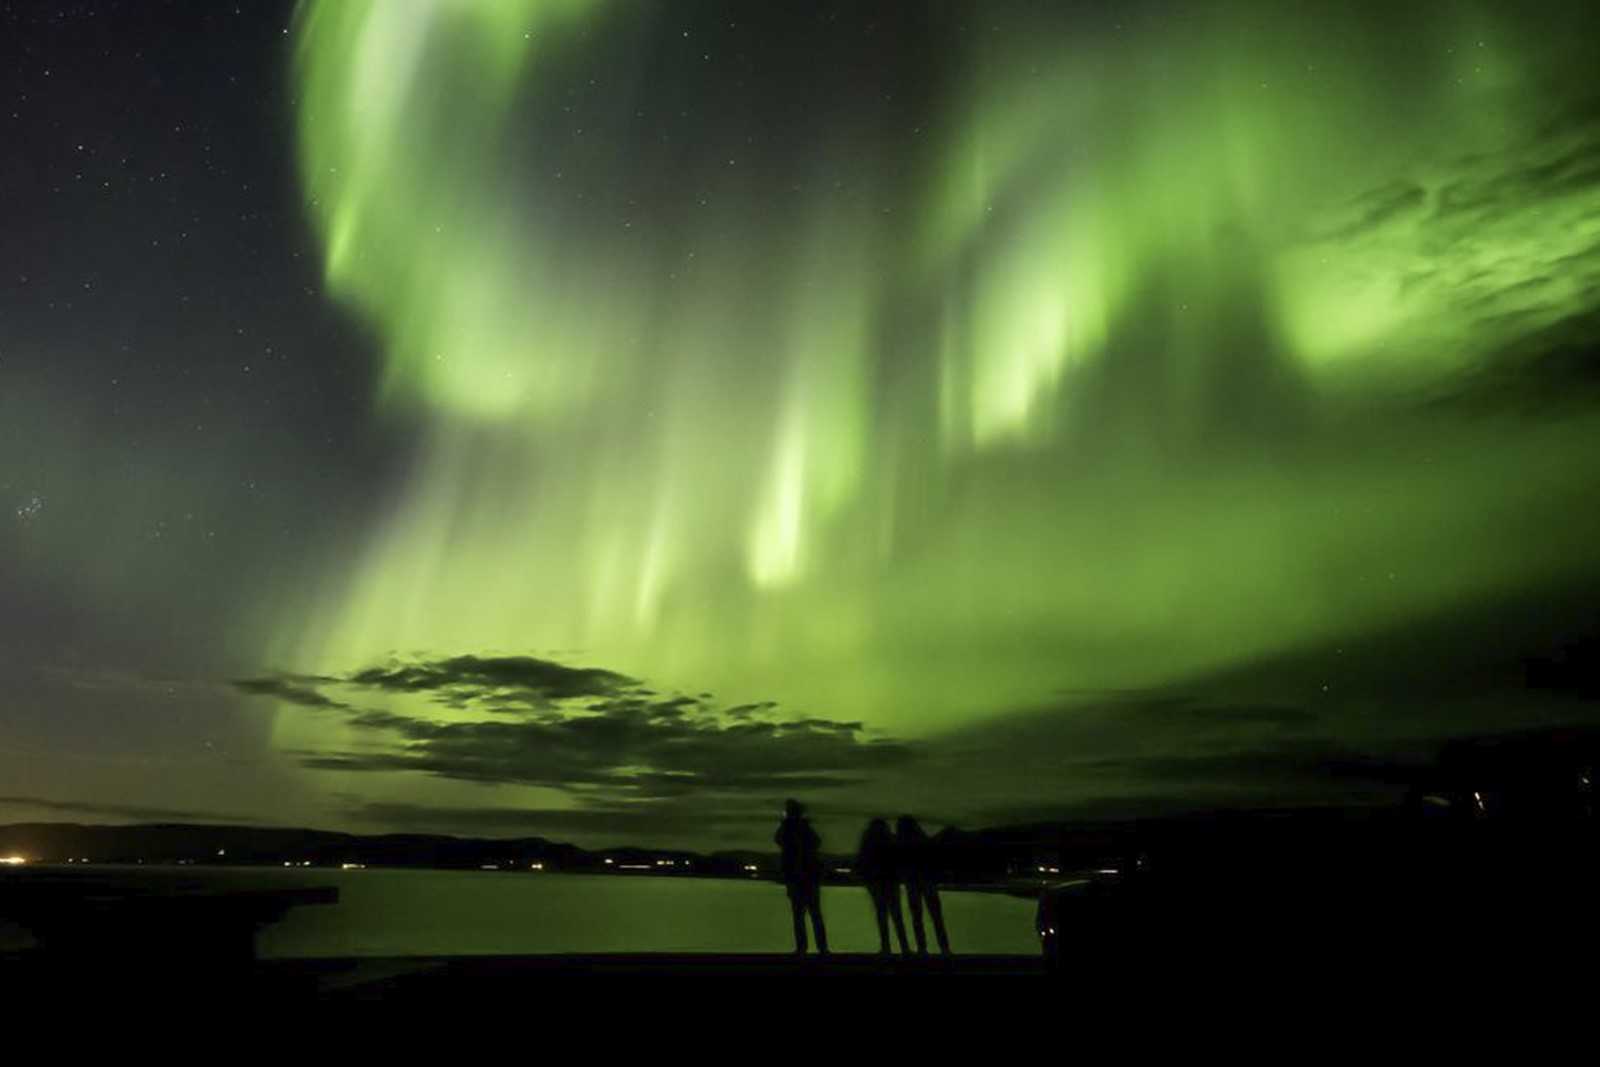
<point>800,869</point>
<point>876,863</point>
<point>917,865</point>
<point>1491,866</point>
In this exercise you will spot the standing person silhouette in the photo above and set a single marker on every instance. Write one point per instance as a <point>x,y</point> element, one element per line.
<point>916,865</point>
<point>877,866</point>
<point>800,868</point>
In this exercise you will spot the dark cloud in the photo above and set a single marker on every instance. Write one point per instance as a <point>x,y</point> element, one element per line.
<point>132,812</point>
<point>1378,206</point>
<point>635,750</point>
<point>1181,711</point>
<point>1563,158</point>
<point>1554,368</point>
<point>298,691</point>
<point>1170,781</point>
<point>502,677</point>
<point>507,684</point>
<point>1352,721</point>
<point>746,711</point>
<point>579,728</point>
<point>1308,765</point>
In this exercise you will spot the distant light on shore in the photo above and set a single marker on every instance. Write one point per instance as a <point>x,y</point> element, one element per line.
<point>13,861</point>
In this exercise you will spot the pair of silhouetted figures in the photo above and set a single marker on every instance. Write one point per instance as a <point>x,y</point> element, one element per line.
<point>887,859</point>
<point>905,856</point>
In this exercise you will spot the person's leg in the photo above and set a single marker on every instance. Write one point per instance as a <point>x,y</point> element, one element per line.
<point>815,905</point>
<point>936,913</point>
<point>880,906</point>
<point>899,921</point>
<point>914,898</point>
<point>798,907</point>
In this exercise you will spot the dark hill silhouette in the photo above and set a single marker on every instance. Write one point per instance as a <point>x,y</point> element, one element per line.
<point>274,846</point>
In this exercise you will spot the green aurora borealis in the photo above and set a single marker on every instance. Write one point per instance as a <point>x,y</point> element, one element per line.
<point>795,444</point>
<point>933,365</point>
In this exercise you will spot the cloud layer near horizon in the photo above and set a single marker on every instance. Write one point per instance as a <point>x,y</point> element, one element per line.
<point>526,721</point>
<point>538,746</point>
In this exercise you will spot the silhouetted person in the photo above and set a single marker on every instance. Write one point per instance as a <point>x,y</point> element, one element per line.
<point>800,868</point>
<point>877,866</point>
<point>915,855</point>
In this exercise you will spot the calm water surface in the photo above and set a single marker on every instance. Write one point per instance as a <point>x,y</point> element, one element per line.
<point>399,912</point>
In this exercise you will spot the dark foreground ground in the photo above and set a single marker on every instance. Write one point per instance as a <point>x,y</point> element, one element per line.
<point>476,975</point>
<point>453,985</point>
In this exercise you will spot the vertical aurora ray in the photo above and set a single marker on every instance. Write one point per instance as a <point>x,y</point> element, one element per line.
<point>1061,400</point>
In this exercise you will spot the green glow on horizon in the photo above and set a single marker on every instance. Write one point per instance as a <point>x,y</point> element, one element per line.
<point>925,464</point>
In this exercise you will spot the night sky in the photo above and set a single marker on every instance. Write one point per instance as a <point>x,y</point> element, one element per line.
<point>605,418</point>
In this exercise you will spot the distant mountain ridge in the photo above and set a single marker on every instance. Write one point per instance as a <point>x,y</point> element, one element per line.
<point>233,845</point>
